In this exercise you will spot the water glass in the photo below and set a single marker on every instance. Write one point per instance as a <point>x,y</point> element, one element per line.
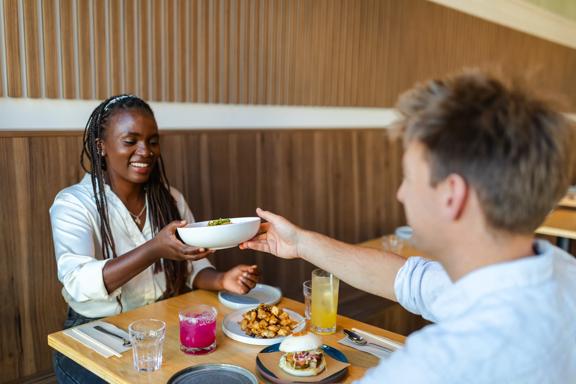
<point>307,291</point>
<point>324,302</point>
<point>392,243</point>
<point>147,337</point>
<point>198,329</point>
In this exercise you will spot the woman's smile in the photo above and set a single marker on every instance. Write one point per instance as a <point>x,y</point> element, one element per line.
<point>141,167</point>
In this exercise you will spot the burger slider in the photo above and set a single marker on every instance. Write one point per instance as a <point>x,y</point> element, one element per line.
<point>303,355</point>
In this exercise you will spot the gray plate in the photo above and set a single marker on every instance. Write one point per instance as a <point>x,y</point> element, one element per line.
<point>214,374</point>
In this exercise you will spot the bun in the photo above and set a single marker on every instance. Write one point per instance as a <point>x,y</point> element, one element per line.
<point>301,372</point>
<point>302,355</point>
<point>306,342</point>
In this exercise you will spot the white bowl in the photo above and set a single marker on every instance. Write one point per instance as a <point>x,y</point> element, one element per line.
<point>220,236</point>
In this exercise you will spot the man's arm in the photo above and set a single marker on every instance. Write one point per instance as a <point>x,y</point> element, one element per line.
<point>364,268</point>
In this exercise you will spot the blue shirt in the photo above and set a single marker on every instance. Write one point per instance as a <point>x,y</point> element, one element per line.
<point>512,322</point>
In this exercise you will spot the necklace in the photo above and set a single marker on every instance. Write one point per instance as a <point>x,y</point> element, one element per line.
<point>137,217</point>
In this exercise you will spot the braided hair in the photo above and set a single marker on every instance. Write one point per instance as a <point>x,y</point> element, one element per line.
<point>161,204</point>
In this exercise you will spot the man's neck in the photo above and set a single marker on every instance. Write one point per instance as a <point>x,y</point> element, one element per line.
<point>475,251</point>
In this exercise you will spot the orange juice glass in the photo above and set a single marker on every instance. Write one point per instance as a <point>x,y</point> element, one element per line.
<point>324,302</point>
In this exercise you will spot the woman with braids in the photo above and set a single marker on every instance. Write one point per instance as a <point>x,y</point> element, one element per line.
<point>115,231</point>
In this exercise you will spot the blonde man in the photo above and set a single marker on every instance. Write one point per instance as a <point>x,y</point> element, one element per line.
<point>483,165</point>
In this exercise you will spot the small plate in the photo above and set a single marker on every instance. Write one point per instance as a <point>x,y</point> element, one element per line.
<point>231,327</point>
<point>213,373</point>
<point>260,294</point>
<point>328,350</point>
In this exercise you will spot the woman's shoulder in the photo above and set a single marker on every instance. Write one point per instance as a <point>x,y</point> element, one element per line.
<point>177,195</point>
<point>81,192</point>
<point>181,204</point>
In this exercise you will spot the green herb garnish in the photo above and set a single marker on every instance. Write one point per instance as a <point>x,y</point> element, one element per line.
<point>220,221</point>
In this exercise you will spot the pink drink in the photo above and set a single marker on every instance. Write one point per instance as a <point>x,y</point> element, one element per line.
<point>198,330</point>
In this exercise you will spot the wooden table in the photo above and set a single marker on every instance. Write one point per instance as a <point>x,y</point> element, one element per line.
<point>562,224</point>
<point>407,249</point>
<point>568,201</point>
<point>120,370</point>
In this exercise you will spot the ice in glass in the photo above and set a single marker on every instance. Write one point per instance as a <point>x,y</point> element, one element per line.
<point>324,302</point>
<point>198,329</point>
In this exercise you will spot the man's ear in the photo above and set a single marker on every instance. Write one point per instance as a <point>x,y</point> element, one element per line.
<point>455,191</point>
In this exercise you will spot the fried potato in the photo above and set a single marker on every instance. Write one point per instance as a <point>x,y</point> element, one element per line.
<point>267,321</point>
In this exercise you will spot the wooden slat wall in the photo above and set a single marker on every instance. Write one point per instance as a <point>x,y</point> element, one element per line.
<point>339,182</point>
<point>321,52</point>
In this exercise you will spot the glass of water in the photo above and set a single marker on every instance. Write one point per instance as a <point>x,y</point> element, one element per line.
<point>147,337</point>
<point>392,243</point>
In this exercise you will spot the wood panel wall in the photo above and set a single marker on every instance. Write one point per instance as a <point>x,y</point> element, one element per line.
<point>341,183</point>
<point>298,52</point>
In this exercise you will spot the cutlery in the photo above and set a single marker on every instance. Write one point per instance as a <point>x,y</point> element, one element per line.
<point>125,342</point>
<point>359,340</point>
<point>381,339</point>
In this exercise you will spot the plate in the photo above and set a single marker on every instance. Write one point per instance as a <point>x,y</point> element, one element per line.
<point>214,373</point>
<point>260,294</point>
<point>220,236</point>
<point>328,350</point>
<point>231,328</point>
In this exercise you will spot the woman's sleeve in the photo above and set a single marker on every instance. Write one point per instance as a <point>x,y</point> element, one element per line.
<point>74,243</point>
<point>186,213</point>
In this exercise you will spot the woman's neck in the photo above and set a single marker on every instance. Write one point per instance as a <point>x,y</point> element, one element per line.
<point>131,194</point>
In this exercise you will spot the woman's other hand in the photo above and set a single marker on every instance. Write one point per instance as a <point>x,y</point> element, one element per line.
<point>240,279</point>
<point>168,246</point>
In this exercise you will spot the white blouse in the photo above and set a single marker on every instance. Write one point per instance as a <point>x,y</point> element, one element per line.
<point>79,258</point>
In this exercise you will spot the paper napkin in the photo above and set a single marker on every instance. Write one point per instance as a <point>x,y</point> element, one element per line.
<point>380,353</point>
<point>105,345</point>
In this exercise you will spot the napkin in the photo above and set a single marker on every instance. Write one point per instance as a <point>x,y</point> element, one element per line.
<point>270,361</point>
<point>369,348</point>
<point>101,343</point>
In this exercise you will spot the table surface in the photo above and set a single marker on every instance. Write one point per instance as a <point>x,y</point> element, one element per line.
<point>568,201</point>
<point>120,370</point>
<point>561,223</point>
<point>407,249</point>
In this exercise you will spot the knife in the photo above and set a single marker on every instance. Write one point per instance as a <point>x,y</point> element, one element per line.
<point>125,342</point>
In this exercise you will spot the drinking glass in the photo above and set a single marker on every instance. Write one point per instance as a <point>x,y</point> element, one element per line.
<point>392,243</point>
<point>324,302</point>
<point>147,337</point>
<point>307,291</point>
<point>198,329</point>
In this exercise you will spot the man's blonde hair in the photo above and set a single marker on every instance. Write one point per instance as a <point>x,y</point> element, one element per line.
<point>514,149</point>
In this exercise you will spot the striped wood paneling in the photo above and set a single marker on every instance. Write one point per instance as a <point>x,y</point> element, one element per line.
<point>12,51</point>
<point>68,40</point>
<point>322,52</point>
<point>339,182</point>
<point>85,57</point>
<point>52,46</point>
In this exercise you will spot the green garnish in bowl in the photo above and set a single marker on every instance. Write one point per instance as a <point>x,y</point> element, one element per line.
<point>220,221</point>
